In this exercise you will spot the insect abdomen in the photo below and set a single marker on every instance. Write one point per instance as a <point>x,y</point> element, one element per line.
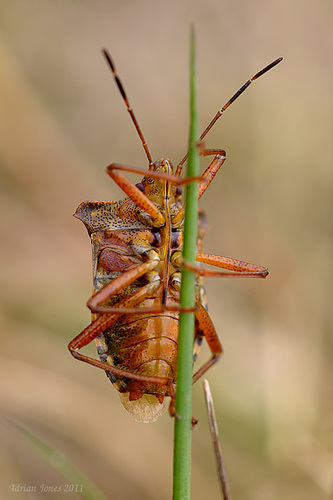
<point>143,344</point>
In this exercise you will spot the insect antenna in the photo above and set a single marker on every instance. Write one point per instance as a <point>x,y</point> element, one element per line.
<point>227,104</point>
<point>129,109</point>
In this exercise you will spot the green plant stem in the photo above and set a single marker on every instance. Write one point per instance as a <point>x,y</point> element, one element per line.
<point>183,422</point>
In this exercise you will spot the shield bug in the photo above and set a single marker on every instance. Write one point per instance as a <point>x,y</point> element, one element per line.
<point>137,260</point>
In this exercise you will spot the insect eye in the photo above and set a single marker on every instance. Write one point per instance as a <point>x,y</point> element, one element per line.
<point>140,186</point>
<point>179,191</point>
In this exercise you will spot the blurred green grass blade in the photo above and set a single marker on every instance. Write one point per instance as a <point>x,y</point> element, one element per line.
<point>183,424</point>
<point>61,464</point>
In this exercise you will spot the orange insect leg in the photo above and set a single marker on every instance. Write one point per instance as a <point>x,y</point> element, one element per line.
<point>206,178</point>
<point>239,267</point>
<point>212,169</point>
<point>208,330</point>
<point>103,322</point>
<point>120,283</point>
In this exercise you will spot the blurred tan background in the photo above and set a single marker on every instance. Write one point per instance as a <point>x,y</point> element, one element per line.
<point>62,121</point>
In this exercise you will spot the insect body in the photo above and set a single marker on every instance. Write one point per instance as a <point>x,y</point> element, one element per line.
<point>137,260</point>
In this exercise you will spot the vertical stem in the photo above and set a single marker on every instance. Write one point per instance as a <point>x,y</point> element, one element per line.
<point>222,474</point>
<point>183,423</point>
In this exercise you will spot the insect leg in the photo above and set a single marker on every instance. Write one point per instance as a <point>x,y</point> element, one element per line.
<point>208,330</point>
<point>208,273</point>
<point>95,303</point>
<point>139,198</point>
<point>119,283</point>
<point>103,322</point>
<point>212,169</point>
<point>206,178</point>
<point>238,267</point>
